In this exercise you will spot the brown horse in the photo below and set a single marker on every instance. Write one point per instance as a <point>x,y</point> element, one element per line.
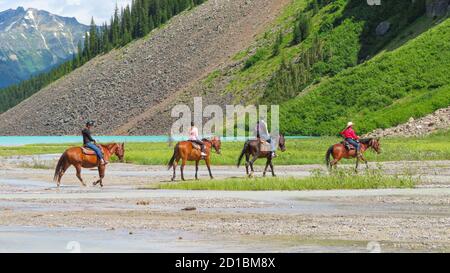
<point>253,148</point>
<point>338,151</point>
<point>186,152</point>
<point>76,157</point>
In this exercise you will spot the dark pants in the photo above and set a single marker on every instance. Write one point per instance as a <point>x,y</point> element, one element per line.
<point>199,142</point>
<point>353,143</point>
<point>96,149</point>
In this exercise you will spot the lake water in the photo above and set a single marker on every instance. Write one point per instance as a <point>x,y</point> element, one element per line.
<point>25,140</point>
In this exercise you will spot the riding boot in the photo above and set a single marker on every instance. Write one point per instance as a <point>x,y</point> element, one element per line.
<point>203,153</point>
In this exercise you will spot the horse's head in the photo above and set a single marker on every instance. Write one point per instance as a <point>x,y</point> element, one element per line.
<point>375,144</point>
<point>282,143</point>
<point>119,151</point>
<point>216,143</point>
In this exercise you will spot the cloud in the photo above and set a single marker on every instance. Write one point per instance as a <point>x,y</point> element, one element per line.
<point>83,10</point>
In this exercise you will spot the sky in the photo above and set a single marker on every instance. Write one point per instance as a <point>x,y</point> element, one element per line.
<point>83,10</point>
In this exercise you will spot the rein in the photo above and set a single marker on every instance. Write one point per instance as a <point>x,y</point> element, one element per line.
<point>110,151</point>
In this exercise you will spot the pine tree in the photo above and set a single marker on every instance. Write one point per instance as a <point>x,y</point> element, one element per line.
<point>304,23</point>
<point>86,48</point>
<point>297,34</point>
<point>277,46</point>
<point>115,28</point>
<point>93,41</point>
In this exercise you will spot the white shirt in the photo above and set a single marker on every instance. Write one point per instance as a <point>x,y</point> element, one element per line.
<point>263,132</point>
<point>193,133</point>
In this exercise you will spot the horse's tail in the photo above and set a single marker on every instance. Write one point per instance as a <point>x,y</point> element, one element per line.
<point>60,166</point>
<point>242,153</point>
<point>172,160</point>
<point>328,155</point>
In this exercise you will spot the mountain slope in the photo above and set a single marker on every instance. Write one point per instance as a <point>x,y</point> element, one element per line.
<point>348,30</point>
<point>33,41</point>
<point>115,88</point>
<point>243,52</point>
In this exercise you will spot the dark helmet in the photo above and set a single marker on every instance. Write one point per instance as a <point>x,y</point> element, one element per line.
<point>90,123</point>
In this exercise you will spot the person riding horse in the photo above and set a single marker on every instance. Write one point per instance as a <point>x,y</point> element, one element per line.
<point>261,132</point>
<point>89,142</point>
<point>350,136</point>
<point>193,137</point>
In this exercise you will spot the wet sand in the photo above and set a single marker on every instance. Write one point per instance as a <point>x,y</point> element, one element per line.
<point>36,216</point>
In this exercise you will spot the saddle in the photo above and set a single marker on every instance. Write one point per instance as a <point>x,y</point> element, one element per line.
<point>196,146</point>
<point>265,146</point>
<point>87,151</point>
<point>347,145</point>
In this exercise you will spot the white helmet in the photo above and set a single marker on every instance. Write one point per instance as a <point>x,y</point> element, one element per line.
<point>349,124</point>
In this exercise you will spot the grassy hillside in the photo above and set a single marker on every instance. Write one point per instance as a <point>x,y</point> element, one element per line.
<point>385,91</point>
<point>341,36</point>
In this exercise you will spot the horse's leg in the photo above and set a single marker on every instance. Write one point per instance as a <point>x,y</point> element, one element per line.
<point>101,174</point>
<point>208,165</point>
<point>336,158</point>
<point>357,164</point>
<point>271,167</point>
<point>255,157</point>
<point>174,166</point>
<point>267,165</point>
<point>183,164</point>
<point>78,168</point>
<point>62,172</point>
<point>196,169</point>
<point>334,164</point>
<point>365,162</point>
<point>247,162</point>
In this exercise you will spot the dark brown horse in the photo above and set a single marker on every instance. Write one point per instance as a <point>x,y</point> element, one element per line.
<point>253,148</point>
<point>76,157</point>
<point>185,151</point>
<point>338,151</point>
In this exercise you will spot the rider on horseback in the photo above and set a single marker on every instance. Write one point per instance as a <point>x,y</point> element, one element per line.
<point>351,137</point>
<point>261,131</point>
<point>193,136</point>
<point>90,143</point>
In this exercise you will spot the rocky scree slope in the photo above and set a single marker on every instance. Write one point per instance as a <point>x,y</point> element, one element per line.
<point>439,120</point>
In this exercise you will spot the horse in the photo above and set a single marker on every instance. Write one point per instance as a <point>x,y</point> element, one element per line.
<point>253,148</point>
<point>185,151</point>
<point>79,159</point>
<point>338,151</point>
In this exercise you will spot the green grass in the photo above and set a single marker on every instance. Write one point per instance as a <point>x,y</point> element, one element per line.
<point>301,151</point>
<point>318,181</point>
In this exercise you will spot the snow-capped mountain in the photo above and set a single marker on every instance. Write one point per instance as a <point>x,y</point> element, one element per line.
<point>33,41</point>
